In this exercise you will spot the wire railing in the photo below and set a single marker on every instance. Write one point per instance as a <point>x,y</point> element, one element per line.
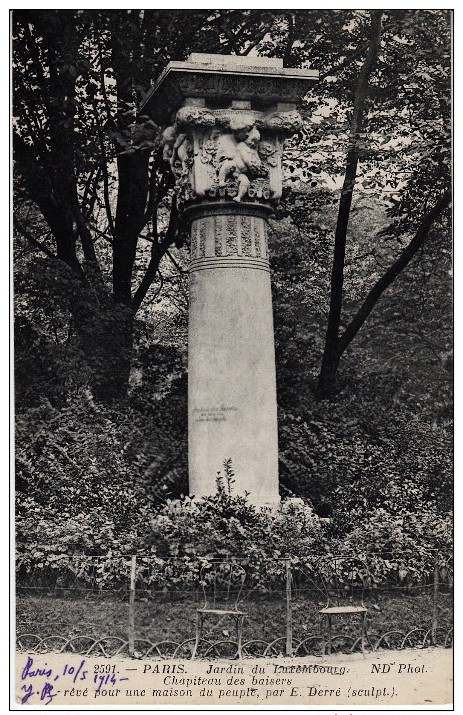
<point>147,607</point>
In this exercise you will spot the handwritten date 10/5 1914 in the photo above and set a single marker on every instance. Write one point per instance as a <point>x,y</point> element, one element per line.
<point>42,680</point>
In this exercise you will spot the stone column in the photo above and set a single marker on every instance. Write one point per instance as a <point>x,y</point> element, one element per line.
<point>231,358</point>
<point>224,147</point>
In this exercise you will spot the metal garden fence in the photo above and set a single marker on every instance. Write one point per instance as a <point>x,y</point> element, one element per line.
<point>147,607</point>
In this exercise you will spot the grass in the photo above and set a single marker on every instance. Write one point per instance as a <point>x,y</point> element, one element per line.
<point>172,616</point>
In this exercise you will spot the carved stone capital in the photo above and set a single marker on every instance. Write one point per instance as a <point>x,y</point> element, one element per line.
<point>228,154</point>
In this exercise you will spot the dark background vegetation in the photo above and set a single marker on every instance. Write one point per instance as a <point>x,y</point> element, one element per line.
<point>361,257</point>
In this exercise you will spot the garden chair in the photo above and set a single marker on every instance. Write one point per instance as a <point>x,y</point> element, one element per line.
<point>343,580</point>
<point>222,583</point>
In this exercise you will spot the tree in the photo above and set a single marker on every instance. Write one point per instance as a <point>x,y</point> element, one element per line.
<point>96,229</point>
<point>79,78</point>
<point>437,198</point>
<point>93,169</point>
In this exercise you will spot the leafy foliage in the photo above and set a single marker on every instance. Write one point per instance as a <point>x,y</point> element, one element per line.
<point>175,542</point>
<point>79,77</point>
<point>101,298</point>
<point>404,547</point>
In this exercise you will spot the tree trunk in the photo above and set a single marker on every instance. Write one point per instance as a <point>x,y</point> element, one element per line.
<point>393,271</point>
<point>130,218</point>
<point>104,332</point>
<point>106,337</point>
<point>331,355</point>
<point>103,323</point>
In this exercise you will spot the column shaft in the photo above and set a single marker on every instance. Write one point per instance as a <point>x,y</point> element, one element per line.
<point>231,358</point>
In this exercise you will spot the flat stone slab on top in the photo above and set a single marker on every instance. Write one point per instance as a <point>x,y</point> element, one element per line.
<point>220,79</point>
<point>209,58</point>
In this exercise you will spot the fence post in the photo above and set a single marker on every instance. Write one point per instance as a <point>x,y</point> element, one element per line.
<point>434,599</point>
<point>289,610</point>
<point>133,573</point>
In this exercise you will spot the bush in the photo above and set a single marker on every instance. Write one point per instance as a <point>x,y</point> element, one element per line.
<point>401,549</point>
<point>60,542</point>
<point>81,549</point>
<point>356,463</point>
<point>55,548</point>
<point>227,526</point>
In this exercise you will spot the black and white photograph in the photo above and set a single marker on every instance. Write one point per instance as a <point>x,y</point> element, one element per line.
<point>232,277</point>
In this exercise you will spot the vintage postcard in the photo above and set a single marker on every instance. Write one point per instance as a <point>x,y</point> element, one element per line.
<point>232,258</point>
